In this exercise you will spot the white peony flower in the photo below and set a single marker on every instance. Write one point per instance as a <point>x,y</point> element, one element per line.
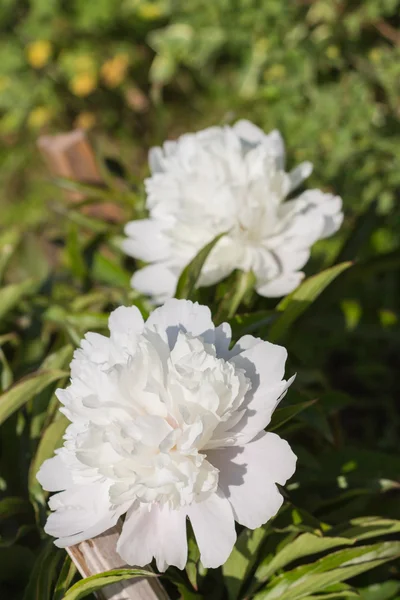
<point>228,179</point>
<point>167,423</point>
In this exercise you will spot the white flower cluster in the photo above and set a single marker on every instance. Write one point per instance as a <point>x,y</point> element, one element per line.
<point>233,180</point>
<point>167,423</point>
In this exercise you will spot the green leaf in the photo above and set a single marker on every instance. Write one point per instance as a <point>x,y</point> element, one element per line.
<point>25,390</point>
<point>241,287</point>
<point>331,569</point>
<point>364,528</point>
<point>388,590</point>
<point>16,564</point>
<point>298,301</point>
<point>108,271</point>
<point>304,545</point>
<point>51,439</point>
<point>13,505</point>
<point>10,295</point>
<point>8,243</point>
<point>286,413</point>
<point>96,582</point>
<point>242,559</point>
<point>65,579</point>
<point>43,573</point>
<point>251,322</point>
<point>75,252</point>
<point>361,232</point>
<point>100,192</point>
<point>191,273</point>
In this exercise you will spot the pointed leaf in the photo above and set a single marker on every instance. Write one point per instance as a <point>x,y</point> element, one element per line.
<point>282,415</point>
<point>242,559</point>
<point>65,579</point>
<point>96,582</point>
<point>298,301</point>
<point>25,390</point>
<point>10,295</point>
<point>191,273</point>
<point>333,568</point>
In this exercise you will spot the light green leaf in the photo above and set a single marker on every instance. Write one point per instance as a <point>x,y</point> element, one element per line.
<point>305,544</point>
<point>387,590</point>
<point>191,273</point>
<point>95,582</point>
<point>242,559</point>
<point>109,271</point>
<point>331,569</point>
<point>25,390</point>
<point>298,301</point>
<point>51,439</point>
<point>8,243</point>
<point>282,415</point>
<point>10,295</point>
<point>365,528</point>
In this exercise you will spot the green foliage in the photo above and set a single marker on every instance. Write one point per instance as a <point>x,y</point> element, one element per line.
<point>138,72</point>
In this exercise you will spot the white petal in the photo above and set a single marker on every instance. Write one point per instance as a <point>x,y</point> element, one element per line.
<point>248,476</point>
<point>281,286</point>
<point>332,224</point>
<point>245,343</point>
<point>53,475</point>
<point>264,363</point>
<point>81,512</point>
<point>156,159</point>
<point>248,131</point>
<point>154,531</point>
<point>299,174</point>
<point>155,280</point>
<point>258,414</point>
<point>182,315</point>
<point>146,240</point>
<point>126,320</point>
<point>214,527</point>
<point>223,336</point>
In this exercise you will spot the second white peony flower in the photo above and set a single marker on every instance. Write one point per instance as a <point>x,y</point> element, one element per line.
<point>167,424</point>
<point>228,180</point>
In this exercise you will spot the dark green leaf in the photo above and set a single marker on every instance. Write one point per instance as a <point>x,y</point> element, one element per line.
<point>191,273</point>
<point>65,579</point>
<point>44,573</point>
<point>282,415</point>
<point>298,301</point>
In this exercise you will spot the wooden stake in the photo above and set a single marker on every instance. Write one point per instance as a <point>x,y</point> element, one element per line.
<point>99,555</point>
<point>70,155</point>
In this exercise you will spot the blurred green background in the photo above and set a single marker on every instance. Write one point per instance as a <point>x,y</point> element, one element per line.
<point>133,73</point>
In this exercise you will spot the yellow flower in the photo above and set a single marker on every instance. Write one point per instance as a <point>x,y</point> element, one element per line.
<point>83,84</point>
<point>275,72</point>
<point>114,70</point>
<point>38,53</point>
<point>332,52</point>
<point>149,11</point>
<point>84,63</point>
<point>38,117</point>
<point>85,120</point>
